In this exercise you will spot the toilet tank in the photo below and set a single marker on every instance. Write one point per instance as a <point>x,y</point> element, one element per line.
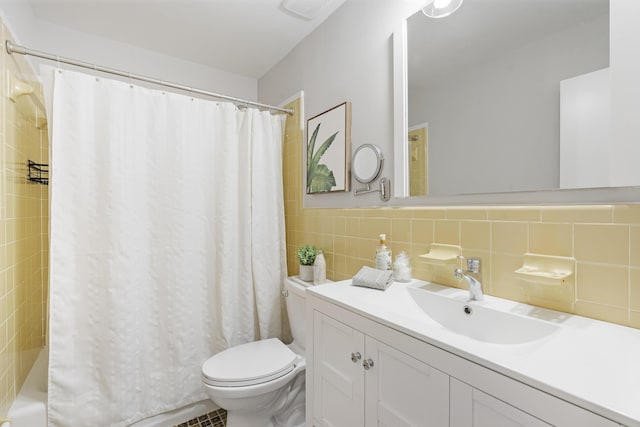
<point>295,289</point>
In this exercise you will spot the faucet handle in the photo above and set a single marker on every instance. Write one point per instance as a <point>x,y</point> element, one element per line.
<point>473,265</point>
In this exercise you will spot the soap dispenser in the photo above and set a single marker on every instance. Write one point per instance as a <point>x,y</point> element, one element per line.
<point>383,254</point>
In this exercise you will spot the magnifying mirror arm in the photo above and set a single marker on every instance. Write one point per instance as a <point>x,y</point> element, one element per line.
<point>384,190</point>
<point>365,190</point>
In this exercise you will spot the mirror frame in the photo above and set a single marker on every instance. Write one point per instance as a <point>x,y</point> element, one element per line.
<point>603,195</point>
<point>380,161</point>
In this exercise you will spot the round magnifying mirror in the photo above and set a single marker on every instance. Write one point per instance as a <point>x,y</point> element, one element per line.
<point>367,163</point>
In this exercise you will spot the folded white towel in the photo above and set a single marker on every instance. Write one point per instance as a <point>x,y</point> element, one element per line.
<point>372,278</point>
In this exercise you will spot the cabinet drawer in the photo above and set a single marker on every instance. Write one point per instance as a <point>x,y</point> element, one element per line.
<point>541,405</point>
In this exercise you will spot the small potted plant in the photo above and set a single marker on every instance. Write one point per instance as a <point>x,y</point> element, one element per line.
<point>306,256</point>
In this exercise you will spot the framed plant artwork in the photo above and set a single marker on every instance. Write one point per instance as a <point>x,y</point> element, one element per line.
<point>329,150</point>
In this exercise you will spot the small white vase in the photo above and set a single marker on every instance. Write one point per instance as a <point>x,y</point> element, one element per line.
<point>306,273</point>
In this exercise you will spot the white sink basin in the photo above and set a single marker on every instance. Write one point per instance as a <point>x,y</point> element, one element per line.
<point>488,321</point>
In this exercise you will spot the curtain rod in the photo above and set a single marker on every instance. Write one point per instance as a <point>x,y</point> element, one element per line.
<point>14,48</point>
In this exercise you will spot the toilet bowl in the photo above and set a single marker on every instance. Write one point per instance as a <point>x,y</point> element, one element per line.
<point>261,383</point>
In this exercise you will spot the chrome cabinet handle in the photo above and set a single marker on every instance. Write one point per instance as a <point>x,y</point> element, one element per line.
<point>368,364</point>
<point>355,357</point>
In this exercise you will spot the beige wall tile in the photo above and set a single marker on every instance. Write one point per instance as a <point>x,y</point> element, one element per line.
<point>504,283</point>
<point>366,213</point>
<point>421,270</point>
<point>514,213</point>
<point>353,227</point>
<point>22,265</point>
<point>354,265</point>
<point>634,241</point>
<point>430,213</point>
<point>351,246</point>
<point>417,250</point>
<point>365,249</point>
<point>509,237</point>
<point>323,241</point>
<point>371,228</point>
<point>634,289</point>
<point>603,284</point>
<point>475,235</point>
<point>467,213</point>
<point>340,265</point>
<point>340,244</point>
<point>422,231</point>
<point>626,214</point>
<point>602,312</point>
<point>447,232</point>
<point>324,223</point>
<point>339,225</point>
<point>634,319</point>
<point>558,300</point>
<point>401,230</point>
<point>601,243</point>
<point>399,213</point>
<point>584,214</point>
<point>551,239</point>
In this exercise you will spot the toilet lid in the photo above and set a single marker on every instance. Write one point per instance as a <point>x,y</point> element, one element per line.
<point>247,364</point>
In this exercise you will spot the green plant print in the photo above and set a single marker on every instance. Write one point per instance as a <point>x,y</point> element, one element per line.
<point>319,177</point>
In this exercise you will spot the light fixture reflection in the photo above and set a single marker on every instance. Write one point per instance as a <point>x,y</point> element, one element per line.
<point>441,8</point>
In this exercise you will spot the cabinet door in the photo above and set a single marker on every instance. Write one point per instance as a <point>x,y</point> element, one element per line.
<point>402,391</point>
<point>472,408</point>
<point>338,381</point>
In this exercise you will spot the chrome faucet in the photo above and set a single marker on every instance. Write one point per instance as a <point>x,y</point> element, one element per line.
<point>475,287</point>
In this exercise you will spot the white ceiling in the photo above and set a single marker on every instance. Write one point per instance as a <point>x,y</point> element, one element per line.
<point>245,37</point>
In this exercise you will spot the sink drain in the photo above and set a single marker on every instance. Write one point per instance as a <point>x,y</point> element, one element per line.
<point>468,309</point>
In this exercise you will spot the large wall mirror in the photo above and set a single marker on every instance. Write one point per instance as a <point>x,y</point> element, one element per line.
<point>510,101</point>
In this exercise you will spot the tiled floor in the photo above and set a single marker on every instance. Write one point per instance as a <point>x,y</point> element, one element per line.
<point>216,418</point>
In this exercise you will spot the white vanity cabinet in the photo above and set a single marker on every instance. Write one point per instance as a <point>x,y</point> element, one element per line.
<point>496,400</point>
<point>472,407</point>
<point>360,381</point>
<point>361,371</point>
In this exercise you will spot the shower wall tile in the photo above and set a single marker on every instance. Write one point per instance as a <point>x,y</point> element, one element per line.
<point>23,233</point>
<point>604,240</point>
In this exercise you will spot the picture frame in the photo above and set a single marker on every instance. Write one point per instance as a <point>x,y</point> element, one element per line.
<point>328,151</point>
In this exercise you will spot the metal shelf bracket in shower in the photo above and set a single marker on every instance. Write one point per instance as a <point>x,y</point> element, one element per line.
<point>38,172</point>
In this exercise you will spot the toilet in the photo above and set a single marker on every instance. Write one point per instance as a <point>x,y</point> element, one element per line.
<point>262,383</point>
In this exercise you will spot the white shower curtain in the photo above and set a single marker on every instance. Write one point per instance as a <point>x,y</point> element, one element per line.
<point>167,245</point>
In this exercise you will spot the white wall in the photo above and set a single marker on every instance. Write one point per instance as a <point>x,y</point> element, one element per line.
<point>37,34</point>
<point>625,92</point>
<point>348,58</point>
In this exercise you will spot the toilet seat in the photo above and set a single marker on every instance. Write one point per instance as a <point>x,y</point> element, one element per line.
<point>249,364</point>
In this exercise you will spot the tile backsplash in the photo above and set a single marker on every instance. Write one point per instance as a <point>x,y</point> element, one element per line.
<point>604,240</point>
